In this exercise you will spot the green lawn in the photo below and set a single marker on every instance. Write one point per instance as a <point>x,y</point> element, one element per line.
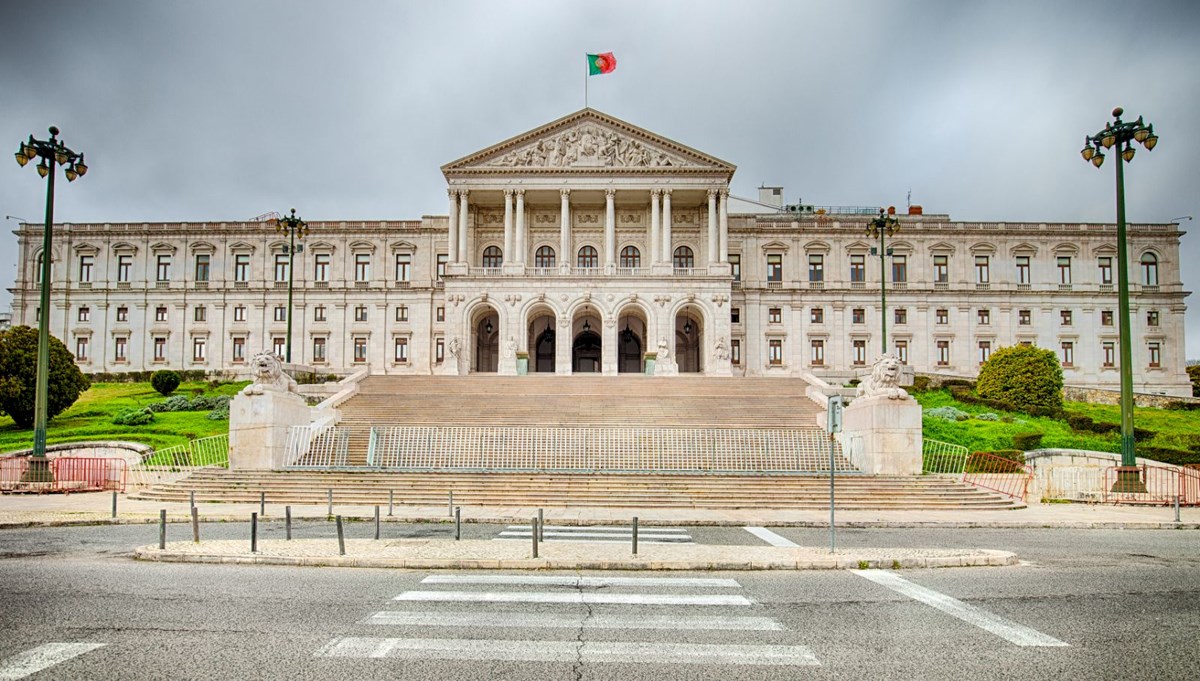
<point>1175,429</point>
<point>90,418</point>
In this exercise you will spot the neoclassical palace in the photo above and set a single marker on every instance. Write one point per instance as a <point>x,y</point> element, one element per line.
<point>592,245</point>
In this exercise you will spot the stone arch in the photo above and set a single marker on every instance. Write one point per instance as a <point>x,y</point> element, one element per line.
<point>540,337</point>
<point>485,328</point>
<point>634,320</point>
<point>689,328</point>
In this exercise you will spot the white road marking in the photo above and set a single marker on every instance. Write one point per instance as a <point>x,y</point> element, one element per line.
<point>548,620</point>
<point>47,655</point>
<point>603,528</point>
<point>770,537</point>
<point>569,651</point>
<point>599,538</point>
<point>1010,631</point>
<point>570,597</point>
<point>540,580</point>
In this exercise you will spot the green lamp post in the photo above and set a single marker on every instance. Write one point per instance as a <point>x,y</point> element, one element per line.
<point>881,227</point>
<point>1122,135</point>
<point>296,229</point>
<point>52,152</point>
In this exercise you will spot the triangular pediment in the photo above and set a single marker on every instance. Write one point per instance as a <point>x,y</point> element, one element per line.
<point>584,142</point>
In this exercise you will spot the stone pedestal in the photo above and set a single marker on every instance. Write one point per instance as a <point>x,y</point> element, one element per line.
<point>882,436</point>
<point>258,428</point>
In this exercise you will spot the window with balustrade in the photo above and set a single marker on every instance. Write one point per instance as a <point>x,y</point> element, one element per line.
<point>492,257</point>
<point>816,268</point>
<point>1106,270</point>
<point>1149,269</point>
<point>858,268</point>
<point>281,267</point>
<point>587,257</point>
<point>543,257</point>
<point>631,257</point>
<point>684,259</point>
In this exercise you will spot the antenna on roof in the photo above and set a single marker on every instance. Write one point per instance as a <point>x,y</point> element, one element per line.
<point>909,200</point>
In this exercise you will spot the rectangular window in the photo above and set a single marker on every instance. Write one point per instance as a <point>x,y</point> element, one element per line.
<point>319,313</point>
<point>943,353</point>
<point>199,313</point>
<point>816,268</point>
<point>439,350</point>
<point>362,267</point>
<point>281,267</point>
<point>401,351</point>
<point>360,313</point>
<point>280,313</point>
<point>160,313</point>
<point>985,317</point>
<point>81,348</point>
<point>942,315</point>
<point>858,316</point>
<point>1022,269</point>
<point>203,262</point>
<point>239,349</point>
<point>160,349</point>
<point>1151,317</point>
<point>442,258</point>
<point>239,313</point>
<point>982,274</point>
<point>279,346</point>
<point>775,351</point>
<point>241,267</point>
<point>120,349</point>
<point>860,352</point>
<point>1106,275</point>
<point>858,268</point>
<point>318,350</point>
<point>735,264</point>
<point>85,268</point>
<point>163,271</point>
<point>1110,353</point>
<point>1106,318</point>
<point>941,269</point>
<point>1064,270</point>
<point>439,314</point>
<point>735,315</point>
<point>818,353</point>
<point>122,314</point>
<point>85,313</point>
<point>403,266</point>
<point>901,315</point>
<point>199,349</point>
<point>1068,353</point>
<point>321,267</point>
<point>985,351</point>
<point>1155,355</point>
<point>735,351</point>
<point>774,267</point>
<point>124,265</point>
<point>1024,318</point>
<point>899,269</point>
<point>402,313</point>
<point>774,315</point>
<point>1065,315</point>
<point>902,351</point>
<point>816,315</point>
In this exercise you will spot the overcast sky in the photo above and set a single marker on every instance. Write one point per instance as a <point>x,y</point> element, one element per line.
<point>227,109</point>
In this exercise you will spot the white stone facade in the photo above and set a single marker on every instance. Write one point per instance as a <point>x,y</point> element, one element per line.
<point>478,289</point>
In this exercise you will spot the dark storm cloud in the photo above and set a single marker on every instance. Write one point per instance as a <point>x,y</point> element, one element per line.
<point>225,110</point>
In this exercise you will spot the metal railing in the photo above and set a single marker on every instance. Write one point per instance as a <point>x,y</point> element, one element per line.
<point>943,458</point>
<point>1163,484</point>
<point>78,474</point>
<point>180,460</point>
<point>997,474</point>
<point>317,446</point>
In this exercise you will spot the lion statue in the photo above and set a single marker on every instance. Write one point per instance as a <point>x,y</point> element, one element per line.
<point>269,376</point>
<point>884,380</point>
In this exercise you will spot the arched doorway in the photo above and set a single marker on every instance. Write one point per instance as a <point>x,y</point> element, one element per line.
<point>541,346</point>
<point>585,353</point>
<point>631,343</point>
<point>487,342</point>
<point>689,330</point>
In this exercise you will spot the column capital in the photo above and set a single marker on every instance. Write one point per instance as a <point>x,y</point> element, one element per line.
<point>666,191</point>
<point>519,192</point>
<point>452,192</point>
<point>508,193</point>
<point>610,192</point>
<point>712,192</point>
<point>464,192</point>
<point>656,192</point>
<point>564,193</point>
<point>724,192</point>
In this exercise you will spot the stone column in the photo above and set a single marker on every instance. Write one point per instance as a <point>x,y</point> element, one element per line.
<point>463,256</point>
<point>452,235</point>
<point>610,229</point>
<point>654,226</point>
<point>713,247</point>
<point>666,227</point>
<point>723,225</point>
<point>564,244</point>
<point>563,345</point>
<point>508,224</point>
<point>521,236</point>
<point>609,347</point>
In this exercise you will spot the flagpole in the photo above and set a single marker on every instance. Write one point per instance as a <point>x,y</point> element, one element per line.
<point>586,71</point>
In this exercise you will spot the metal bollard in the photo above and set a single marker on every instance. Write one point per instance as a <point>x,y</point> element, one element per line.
<point>376,522</point>
<point>341,538</point>
<point>534,534</point>
<point>541,528</point>
<point>262,504</point>
<point>192,499</point>
<point>114,504</point>
<point>457,523</point>
<point>253,533</point>
<point>1176,508</point>
<point>162,529</point>
<point>635,535</point>
<point>195,525</point>
<point>287,512</point>
<point>450,505</point>
<point>329,511</point>
<point>391,500</point>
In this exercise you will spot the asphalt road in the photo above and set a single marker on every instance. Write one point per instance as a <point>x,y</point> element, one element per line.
<point>1088,604</point>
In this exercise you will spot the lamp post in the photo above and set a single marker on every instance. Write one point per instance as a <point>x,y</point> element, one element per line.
<point>296,229</point>
<point>883,226</point>
<point>52,152</point>
<point>1122,135</point>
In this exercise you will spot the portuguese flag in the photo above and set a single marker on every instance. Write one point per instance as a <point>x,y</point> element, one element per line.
<point>599,64</point>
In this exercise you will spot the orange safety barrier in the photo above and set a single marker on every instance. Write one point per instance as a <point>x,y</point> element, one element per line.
<point>1162,486</point>
<point>998,474</point>
<point>78,474</point>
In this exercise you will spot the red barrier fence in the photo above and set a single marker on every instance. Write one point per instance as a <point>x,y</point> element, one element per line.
<point>77,474</point>
<point>12,469</point>
<point>998,474</point>
<point>1162,486</point>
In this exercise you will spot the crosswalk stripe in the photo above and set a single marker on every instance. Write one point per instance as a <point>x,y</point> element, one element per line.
<point>770,537</point>
<point>549,580</point>
<point>571,597</point>
<point>550,536</point>
<point>553,533</point>
<point>1008,630</point>
<point>603,528</point>
<point>42,657</point>
<point>548,620</point>
<point>569,651</point>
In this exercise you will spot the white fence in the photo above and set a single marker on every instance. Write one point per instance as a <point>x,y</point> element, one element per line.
<point>943,458</point>
<point>318,446</point>
<point>173,463</point>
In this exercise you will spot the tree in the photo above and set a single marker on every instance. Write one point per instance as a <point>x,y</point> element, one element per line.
<point>164,381</point>
<point>1023,375</point>
<point>1194,374</point>
<point>18,376</point>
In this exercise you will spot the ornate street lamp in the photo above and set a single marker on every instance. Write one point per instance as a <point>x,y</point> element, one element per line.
<point>1122,135</point>
<point>51,152</point>
<point>883,226</point>
<point>296,229</point>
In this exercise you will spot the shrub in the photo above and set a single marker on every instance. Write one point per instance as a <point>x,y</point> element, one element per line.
<point>988,416</point>
<point>158,406</point>
<point>1006,419</point>
<point>983,464</point>
<point>1080,422</point>
<point>220,413</point>
<point>133,417</point>
<point>945,413</point>
<point>953,383</point>
<point>178,403</point>
<point>165,382</point>
<point>1025,376</point>
<point>1177,457</point>
<point>1142,434</point>
<point>920,384</point>
<point>1027,441</point>
<point>18,376</point>
<point>1193,373</point>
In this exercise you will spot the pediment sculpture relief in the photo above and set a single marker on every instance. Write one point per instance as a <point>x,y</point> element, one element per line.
<point>588,146</point>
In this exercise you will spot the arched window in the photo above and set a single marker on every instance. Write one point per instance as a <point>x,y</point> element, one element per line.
<point>684,258</point>
<point>587,257</point>
<point>1149,269</point>
<point>492,257</point>
<point>631,257</point>
<point>544,257</point>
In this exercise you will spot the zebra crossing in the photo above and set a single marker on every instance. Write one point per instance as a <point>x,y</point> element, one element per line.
<point>595,533</point>
<point>675,614</point>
